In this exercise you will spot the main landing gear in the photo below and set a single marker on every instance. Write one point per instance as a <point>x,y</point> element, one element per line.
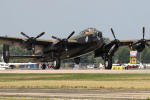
<point>77,60</point>
<point>55,64</point>
<point>108,62</point>
<point>43,67</point>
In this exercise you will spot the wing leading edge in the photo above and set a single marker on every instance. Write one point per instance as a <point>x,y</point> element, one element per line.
<point>22,42</point>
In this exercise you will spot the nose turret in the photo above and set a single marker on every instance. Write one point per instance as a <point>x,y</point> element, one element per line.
<point>89,35</point>
<point>96,36</point>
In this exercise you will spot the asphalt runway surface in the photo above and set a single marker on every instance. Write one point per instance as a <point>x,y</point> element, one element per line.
<point>78,94</point>
<point>75,71</point>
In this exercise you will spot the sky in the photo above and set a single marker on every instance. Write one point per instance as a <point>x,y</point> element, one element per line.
<point>61,17</point>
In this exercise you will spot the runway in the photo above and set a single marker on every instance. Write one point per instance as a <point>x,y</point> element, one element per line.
<point>75,71</point>
<point>77,94</point>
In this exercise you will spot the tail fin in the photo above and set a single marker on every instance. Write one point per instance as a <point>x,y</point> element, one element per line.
<point>6,53</point>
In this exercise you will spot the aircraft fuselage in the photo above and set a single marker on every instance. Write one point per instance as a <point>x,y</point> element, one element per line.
<point>86,43</point>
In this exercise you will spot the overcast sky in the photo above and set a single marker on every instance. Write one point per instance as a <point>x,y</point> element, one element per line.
<point>60,17</point>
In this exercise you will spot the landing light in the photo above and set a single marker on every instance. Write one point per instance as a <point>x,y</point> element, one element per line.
<point>33,54</point>
<point>68,56</point>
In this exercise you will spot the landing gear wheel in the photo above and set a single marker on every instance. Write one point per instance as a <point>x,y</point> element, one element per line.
<point>43,66</point>
<point>108,63</point>
<point>77,60</point>
<point>56,63</point>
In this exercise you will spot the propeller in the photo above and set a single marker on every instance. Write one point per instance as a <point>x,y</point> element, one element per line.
<point>140,45</point>
<point>59,39</point>
<point>24,35</point>
<point>64,41</point>
<point>71,34</point>
<point>112,31</point>
<point>31,40</point>
<point>56,38</point>
<point>144,41</point>
<point>114,44</point>
<point>143,32</point>
<point>41,34</point>
<point>115,39</point>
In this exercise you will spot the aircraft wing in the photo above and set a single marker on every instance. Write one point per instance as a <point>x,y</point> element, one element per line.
<point>138,45</point>
<point>21,42</point>
<point>130,42</point>
<point>126,42</point>
<point>31,57</point>
<point>26,56</point>
<point>40,45</point>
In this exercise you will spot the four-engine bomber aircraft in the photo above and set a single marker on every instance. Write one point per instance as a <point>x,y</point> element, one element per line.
<point>89,40</point>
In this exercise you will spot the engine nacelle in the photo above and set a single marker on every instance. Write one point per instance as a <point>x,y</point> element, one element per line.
<point>138,46</point>
<point>6,53</point>
<point>28,45</point>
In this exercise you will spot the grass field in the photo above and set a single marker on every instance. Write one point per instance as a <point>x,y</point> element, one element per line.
<point>90,81</point>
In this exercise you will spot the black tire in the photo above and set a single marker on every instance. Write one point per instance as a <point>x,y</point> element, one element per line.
<point>108,63</point>
<point>43,66</point>
<point>57,65</point>
<point>77,60</point>
<point>12,66</point>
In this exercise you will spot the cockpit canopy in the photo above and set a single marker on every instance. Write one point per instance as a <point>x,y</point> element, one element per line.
<point>93,31</point>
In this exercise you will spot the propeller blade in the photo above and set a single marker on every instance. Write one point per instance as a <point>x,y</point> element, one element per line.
<point>56,38</point>
<point>71,34</point>
<point>40,35</point>
<point>24,35</point>
<point>143,32</point>
<point>113,32</point>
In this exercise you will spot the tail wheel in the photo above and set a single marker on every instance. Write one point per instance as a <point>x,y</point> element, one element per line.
<point>56,63</point>
<point>108,63</point>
